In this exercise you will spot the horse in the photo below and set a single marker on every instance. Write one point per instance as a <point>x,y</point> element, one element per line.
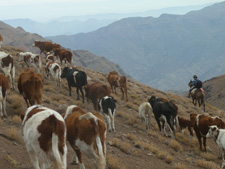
<point>197,96</point>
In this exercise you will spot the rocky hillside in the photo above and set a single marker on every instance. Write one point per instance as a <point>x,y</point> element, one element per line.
<point>162,52</point>
<point>21,39</point>
<point>131,146</point>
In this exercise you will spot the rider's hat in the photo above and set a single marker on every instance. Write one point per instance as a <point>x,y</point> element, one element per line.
<point>195,76</point>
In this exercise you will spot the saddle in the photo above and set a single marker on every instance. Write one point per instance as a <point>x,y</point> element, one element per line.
<point>195,90</point>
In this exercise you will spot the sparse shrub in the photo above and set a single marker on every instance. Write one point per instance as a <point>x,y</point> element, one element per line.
<point>125,147</point>
<point>168,158</point>
<point>14,134</point>
<point>131,137</point>
<point>209,156</point>
<point>16,119</point>
<point>180,166</point>
<point>114,163</point>
<point>207,164</point>
<point>175,145</point>
<point>161,154</point>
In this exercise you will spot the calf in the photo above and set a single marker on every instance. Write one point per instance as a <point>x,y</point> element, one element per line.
<point>31,60</point>
<point>75,78</point>
<point>54,70</point>
<point>4,86</point>
<point>108,106</point>
<point>165,110</point>
<point>30,86</point>
<point>185,123</point>
<point>219,136</point>
<point>201,124</point>
<point>145,113</point>
<point>95,92</point>
<point>1,40</point>
<point>44,134</point>
<point>64,55</point>
<point>45,46</point>
<point>8,67</point>
<point>86,133</point>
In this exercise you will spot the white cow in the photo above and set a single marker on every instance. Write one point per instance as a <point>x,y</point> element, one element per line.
<point>31,60</point>
<point>145,113</point>
<point>7,66</point>
<point>44,134</point>
<point>54,70</point>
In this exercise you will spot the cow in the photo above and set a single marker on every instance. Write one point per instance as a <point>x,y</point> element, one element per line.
<point>30,87</point>
<point>117,81</point>
<point>45,46</point>
<point>44,134</point>
<point>219,136</point>
<point>4,86</point>
<point>145,113</point>
<point>95,92</point>
<point>64,55</point>
<point>185,123</point>
<point>49,57</point>
<point>201,123</point>
<point>164,110</point>
<point>31,60</point>
<point>54,70</point>
<point>75,78</point>
<point>8,67</point>
<point>108,107</point>
<point>1,41</point>
<point>86,133</point>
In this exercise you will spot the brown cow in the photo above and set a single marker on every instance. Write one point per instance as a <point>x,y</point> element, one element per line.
<point>30,86</point>
<point>201,125</point>
<point>86,133</point>
<point>64,55</point>
<point>45,46</point>
<point>1,40</point>
<point>185,123</point>
<point>4,86</point>
<point>95,92</point>
<point>8,67</point>
<point>118,81</point>
<point>44,134</point>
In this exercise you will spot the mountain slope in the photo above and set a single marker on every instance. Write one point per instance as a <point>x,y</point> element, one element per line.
<point>162,52</point>
<point>24,40</point>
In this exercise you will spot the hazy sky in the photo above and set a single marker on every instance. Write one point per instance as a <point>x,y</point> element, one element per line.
<point>47,9</point>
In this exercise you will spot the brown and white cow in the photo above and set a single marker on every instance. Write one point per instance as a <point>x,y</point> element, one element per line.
<point>31,60</point>
<point>1,40</point>
<point>8,67</point>
<point>49,57</point>
<point>201,123</point>
<point>86,133</point>
<point>95,92</point>
<point>4,86</point>
<point>44,134</point>
<point>64,55</point>
<point>45,46</point>
<point>30,87</point>
<point>185,123</point>
<point>54,70</point>
<point>118,81</point>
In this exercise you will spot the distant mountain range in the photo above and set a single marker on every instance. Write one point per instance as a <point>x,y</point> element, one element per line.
<point>19,38</point>
<point>162,52</point>
<point>68,25</point>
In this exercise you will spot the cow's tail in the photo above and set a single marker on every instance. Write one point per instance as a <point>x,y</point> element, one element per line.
<point>58,141</point>
<point>39,63</point>
<point>100,143</point>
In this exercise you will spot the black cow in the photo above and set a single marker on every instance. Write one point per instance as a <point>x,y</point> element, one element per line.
<point>75,78</point>
<point>108,106</point>
<point>165,110</point>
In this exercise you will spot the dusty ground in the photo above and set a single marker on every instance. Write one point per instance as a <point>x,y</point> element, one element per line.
<point>130,147</point>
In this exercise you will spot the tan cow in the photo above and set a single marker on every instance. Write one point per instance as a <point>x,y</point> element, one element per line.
<point>30,86</point>
<point>86,133</point>
<point>4,86</point>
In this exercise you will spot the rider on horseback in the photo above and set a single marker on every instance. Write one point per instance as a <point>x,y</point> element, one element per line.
<point>195,85</point>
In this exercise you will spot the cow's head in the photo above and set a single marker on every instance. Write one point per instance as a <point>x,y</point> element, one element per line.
<point>65,72</point>
<point>152,99</point>
<point>213,132</point>
<point>193,119</point>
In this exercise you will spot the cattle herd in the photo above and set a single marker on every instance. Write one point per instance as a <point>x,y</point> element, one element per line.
<point>45,131</point>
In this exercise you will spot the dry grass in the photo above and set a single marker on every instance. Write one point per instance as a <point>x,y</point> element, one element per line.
<point>131,137</point>
<point>14,134</point>
<point>114,163</point>
<point>180,166</point>
<point>208,156</point>
<point>1,121</point>
<point>16,119</point>
<point>125,147</point>
<point>207,164</point>
<point>12,161</point>
<point>175,145</point>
